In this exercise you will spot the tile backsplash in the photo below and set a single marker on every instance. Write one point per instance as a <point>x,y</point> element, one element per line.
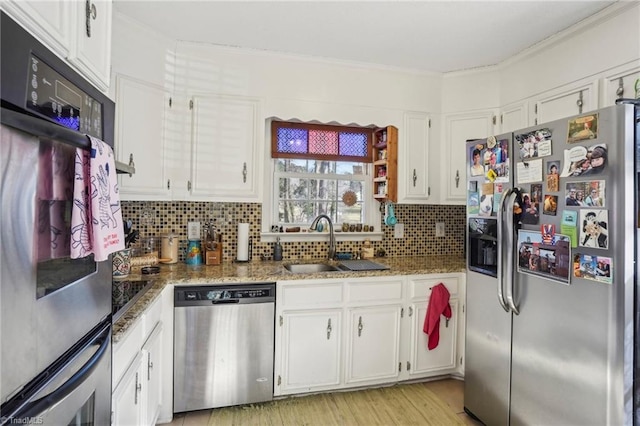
<point>153,218</point>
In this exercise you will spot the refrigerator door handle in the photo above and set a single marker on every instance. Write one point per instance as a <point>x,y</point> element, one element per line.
<point>505,196</point>
<point>513,196</point>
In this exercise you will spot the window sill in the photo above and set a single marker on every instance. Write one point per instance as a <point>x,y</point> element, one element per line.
<point>270,237</point>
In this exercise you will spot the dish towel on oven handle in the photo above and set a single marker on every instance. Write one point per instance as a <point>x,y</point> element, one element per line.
<point>96,218</point>
<point>438,305</point>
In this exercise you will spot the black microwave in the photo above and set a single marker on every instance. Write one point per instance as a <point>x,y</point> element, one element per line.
<point>36,82</point>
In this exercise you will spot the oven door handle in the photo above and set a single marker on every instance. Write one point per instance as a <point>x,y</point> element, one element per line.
<point>34,408</point>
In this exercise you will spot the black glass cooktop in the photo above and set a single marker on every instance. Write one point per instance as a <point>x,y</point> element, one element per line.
<point>125,293</point>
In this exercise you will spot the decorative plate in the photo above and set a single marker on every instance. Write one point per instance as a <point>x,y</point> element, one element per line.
<point>349,198</point>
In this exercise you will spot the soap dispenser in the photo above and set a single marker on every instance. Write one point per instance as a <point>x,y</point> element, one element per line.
<point>277,250</point>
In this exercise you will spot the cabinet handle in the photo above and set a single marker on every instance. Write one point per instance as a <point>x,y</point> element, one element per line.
<point>360,327</point>
<point>91,13</point>
<point>410,310</point>
<point>244,173</point>
<point>138,389</point>
<point>189,185</point>
<point>446,322</point>
<point>579,102</point>
<point>149,366</point>
<point>620,89</point>
<point>131,163</point>
<point>168,183</point>
<point>329,329</point>
<point>415,178</point>
<point>457,178</point>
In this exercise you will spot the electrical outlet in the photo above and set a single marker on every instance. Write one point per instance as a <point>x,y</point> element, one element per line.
<point>398,230</point>
<point>439,229</point>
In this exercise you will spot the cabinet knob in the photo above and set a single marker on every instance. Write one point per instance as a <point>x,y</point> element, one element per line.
<point>360,327</point>
<point>138,389</point>
<point>415,177</point>
<point>244,173</point>
<point>329,329</point>
<point>457,178</point>
<point>620,89</point>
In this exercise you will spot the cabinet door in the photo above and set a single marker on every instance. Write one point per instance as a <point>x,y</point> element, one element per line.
<point>140,112</point>
<point>225,149</point>
<point>128,402</point>
<point>373,348</point>
<point>414,177</point>
<point>310,351</point>
<point>47,20</point>
<point>564,103</point>
<point>152,363</point>
<point>514,117</point>
<point>621,85</point>
<point>424,362</point>
<point>458,129</point>
<point>92,49</point>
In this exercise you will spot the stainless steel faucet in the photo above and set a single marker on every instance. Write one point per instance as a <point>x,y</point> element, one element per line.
<point>332,237</point>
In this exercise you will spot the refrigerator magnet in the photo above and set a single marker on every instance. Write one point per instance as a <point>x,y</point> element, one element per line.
<point>569,226</point>
<point>534,144</point>
<point>529,172</point>
<point>550,206</point>
<point>550,261</point>
<point>596,268</point>
<point>583,128</point>
<point>582,161</point>
<point>594,228</point>
<point>553,178</point>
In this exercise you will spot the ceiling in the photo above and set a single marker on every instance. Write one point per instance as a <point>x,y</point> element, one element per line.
<point>437,36</point>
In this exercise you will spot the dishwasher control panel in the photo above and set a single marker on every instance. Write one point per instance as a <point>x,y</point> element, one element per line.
<point>240,293</point>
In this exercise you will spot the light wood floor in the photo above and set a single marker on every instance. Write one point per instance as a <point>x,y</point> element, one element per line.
<point>449,391</point>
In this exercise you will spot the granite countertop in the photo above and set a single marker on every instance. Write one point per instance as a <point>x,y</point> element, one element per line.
<point>269,271</point>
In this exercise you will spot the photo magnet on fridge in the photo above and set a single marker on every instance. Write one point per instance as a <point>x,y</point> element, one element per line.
<point>583,128</point>
<point>569,226</point>
<point>551,261</point>
<point>593,229</point>
<point>534,144</point>
<point>582,161</point>
<point>553,168</point>
<point>550,207</point>
<point>596,268</point>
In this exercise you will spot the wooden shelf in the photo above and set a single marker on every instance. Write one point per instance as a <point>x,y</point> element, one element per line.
<point>385,164</point>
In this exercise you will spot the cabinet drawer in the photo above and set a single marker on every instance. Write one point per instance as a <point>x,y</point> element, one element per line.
<point>152,316</point>
<point>125,350</point>
<point>420,288</point>
<point>303,295</point>
<point>375,291</point>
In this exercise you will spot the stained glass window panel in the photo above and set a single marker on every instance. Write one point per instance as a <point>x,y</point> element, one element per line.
<point>323,142</point>
<point>292,140</point>
<point>353,144</point>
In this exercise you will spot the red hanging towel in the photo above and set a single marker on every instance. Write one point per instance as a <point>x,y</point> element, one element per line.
<point>438,305</point>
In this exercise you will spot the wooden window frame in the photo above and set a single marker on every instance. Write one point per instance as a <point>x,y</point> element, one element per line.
<point>275,125</point>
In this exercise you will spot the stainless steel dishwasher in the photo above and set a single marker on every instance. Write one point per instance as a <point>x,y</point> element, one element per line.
<point>223,345</point>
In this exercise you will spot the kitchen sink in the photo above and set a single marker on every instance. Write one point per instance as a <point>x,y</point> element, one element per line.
<point>310,268</point>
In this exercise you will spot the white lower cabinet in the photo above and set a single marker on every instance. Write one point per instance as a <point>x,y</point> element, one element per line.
<point>373,350</point>
<point>311,353</point>
<point>138,365</point>
<point>333,334</point>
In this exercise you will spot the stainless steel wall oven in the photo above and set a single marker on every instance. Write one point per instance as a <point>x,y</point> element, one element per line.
<point>55,317</point>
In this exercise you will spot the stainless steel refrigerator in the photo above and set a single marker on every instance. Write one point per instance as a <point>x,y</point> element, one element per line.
<point>552,243</point>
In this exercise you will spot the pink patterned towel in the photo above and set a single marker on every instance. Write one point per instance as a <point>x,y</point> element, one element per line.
<point>96,218</point>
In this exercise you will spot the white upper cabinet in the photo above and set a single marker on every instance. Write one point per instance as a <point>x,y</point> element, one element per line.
<point>140,116</point>
<point>620,84</point>
<point>79,31</point>
<point>458,128</point>
<point>414,148</point>
<point>513,117</point>
<point>569,100</point>
<point>225,148</point>
<point>48,21</point>
<point>91,52</point>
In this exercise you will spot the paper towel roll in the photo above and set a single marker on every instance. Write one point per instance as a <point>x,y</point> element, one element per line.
<point>243,242</point>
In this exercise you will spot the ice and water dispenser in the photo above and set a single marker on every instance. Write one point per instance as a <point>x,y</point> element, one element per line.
<point>482,246</point>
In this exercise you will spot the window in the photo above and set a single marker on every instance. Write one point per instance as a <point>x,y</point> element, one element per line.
<point>320,169</point>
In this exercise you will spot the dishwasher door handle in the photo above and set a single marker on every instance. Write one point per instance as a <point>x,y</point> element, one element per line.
<point>220,302</point>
